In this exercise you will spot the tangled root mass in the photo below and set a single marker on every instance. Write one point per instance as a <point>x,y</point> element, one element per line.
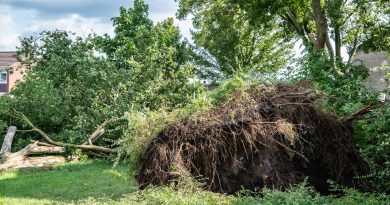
<point>268,136</point>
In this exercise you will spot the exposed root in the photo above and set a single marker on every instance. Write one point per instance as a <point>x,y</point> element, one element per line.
<point>266,137</point>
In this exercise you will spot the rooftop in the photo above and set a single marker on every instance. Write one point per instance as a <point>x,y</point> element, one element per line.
<point>7,58</point>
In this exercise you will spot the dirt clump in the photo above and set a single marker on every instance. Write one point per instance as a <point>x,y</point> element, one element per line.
<point>267,136</point>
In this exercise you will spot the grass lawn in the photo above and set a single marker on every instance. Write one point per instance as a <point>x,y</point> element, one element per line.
<point>96,182</point>
<point>67,183</point>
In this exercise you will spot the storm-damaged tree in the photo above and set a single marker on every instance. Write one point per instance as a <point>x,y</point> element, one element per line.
<point>77,89</point>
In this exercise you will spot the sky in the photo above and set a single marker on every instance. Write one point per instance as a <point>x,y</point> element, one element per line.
<point>23,18</point>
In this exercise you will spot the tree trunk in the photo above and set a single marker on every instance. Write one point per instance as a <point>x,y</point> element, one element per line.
<point>337,34</point>
<point>330,51</point>
<point>21,159</point>
<point>321,25</point>
<point>352,52</point>
<point>6,148</point>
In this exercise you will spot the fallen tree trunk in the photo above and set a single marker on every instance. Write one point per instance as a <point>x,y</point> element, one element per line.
<point>8,140</point>
<point>21,159</point>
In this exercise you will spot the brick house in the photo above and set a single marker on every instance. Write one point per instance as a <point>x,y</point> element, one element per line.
<point>8,79</point>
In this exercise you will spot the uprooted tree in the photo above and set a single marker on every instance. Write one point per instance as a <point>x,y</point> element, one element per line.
<point>267,136</point>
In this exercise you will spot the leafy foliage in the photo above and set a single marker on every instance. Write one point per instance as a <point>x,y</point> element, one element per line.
<point>230,44</point>
<point>348,23</point>
<point>74,85</point>
<point>158,60</point>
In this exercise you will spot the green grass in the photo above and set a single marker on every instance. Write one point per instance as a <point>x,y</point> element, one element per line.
<point>96,182</point>
<point>65,184</point>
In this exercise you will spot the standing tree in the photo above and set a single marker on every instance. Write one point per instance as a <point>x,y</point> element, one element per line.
<point>230,43</point>
<point>158,59</point>
<point>318,23</point>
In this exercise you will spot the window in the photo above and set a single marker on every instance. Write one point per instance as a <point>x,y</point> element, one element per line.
<point>3,76</point>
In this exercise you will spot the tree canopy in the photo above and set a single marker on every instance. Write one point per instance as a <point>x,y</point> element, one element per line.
<point>321,24</point>
<point>234,45</point>
<point>75,84</point>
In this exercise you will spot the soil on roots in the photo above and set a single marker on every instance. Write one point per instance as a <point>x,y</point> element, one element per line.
<point>267,136</point>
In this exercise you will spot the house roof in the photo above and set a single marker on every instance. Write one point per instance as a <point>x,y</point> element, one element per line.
<point>7,58</point>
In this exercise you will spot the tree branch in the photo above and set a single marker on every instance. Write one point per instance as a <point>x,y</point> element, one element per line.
<point>330,50</point>
<point>358,114</point>
<point>51,141</point>
<point>352,52</point>
<point>337,40</point>
<point>94,137</point>
<point>100,130</point>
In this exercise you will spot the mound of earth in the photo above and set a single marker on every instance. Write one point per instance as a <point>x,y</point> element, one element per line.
<point>267,136</point>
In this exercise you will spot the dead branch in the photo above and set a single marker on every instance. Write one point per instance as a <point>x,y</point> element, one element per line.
<point>357,115</point>
<point>100,130</point>
<point>43,144</point>
<point>49,140</point>
<point>47,150</point>
<point>94,137</point>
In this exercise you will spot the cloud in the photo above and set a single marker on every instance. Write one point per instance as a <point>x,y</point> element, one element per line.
<point>9,31</point>
<point>74,22</point>
<point>28,17</point>
<point>88,8</point>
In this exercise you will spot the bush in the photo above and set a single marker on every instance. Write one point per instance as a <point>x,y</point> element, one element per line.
<point>373,141</point>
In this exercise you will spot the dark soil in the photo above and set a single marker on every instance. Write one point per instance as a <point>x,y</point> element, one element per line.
<point>267,136</point>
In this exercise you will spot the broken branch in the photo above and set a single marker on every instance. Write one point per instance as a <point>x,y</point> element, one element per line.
<point>358,115</point>
<point>62,144</point>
